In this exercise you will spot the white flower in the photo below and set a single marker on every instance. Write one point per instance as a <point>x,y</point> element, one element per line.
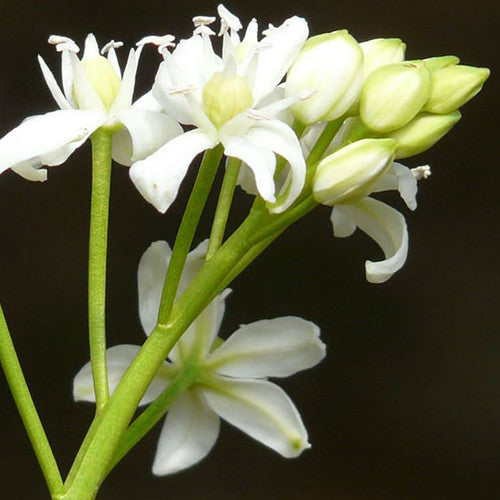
<point>95,94</point>
<point>231,376</point>
<point>231,101</point>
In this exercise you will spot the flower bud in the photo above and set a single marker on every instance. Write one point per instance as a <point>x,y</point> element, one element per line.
<point>453,86</point>
<point>103,78</point>
<point>380,52</point>
<point>349,174</point>
<point>423,132</point>
<point>393,94</point>
<point>435,63</point>
<point>224,96</point>
<point>330,65</point>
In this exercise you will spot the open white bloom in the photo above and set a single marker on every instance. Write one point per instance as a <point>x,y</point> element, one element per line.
<point>230,100</point>
<point>229,378</point>
<point>95,94</point>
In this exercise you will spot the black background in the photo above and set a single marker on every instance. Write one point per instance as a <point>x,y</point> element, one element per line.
<point>407,403</point>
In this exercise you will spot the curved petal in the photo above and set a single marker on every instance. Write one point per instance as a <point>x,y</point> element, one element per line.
<point>31,171</point>
<point>124,98</point>
<point>147,102</point>
<point>261,160</point>
<point>151,277</point>
<point>382,223</point>
<point>47,139</point>
<point>269,348</point>
<point>56,92</point>
<point>188,434</point>
<point>262,410</point>
<point>119,359</point>
<point>67,77</point>
<point>279,49</point>
<point>159,176</point>
<point>144,133</point>
<point>399,178</point>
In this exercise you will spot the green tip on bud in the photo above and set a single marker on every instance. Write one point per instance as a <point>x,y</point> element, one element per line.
<point>349,174</point>
<point>102,77</point>
<point>330,68</point>
<point>224,96</point>
<point>393,95</point>
<point>435,63</point>
<point>423,132</point>
<point>453,86</point>
<point>380,52</point>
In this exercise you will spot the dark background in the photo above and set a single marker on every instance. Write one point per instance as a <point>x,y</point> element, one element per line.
<point>407,403</point>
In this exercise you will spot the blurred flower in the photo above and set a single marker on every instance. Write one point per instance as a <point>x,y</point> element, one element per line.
<point>229,378</point>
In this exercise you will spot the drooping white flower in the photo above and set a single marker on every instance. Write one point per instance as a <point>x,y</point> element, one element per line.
<point>229,100</point>
<point>94,94</point>
<point>231,377</point>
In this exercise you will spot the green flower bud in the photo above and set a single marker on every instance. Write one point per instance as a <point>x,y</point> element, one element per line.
<point>103,78</point>
<point>349,174</point>
<point>380,52</point>
<point>453,86</point>
<point>393,95</point>
<point>422,133</point>
<point>435,63</point>
<point>224,96</point>
<point>330,65</point>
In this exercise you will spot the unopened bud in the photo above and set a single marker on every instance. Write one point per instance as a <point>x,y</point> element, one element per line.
<point>350,173</point>
<point>435,63</point>
<point>453,86</point>
<point>380,52</point>
<point>393,95</point>
<point>423,132</point>
<point>330,65</point>
<point>224,96</point>
<point>103,78</point>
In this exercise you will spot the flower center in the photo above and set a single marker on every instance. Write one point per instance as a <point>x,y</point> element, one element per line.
<point>225,96</point>
<point>103,79</point>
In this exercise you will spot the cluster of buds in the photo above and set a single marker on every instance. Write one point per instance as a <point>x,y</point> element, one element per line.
<point>393,108</point>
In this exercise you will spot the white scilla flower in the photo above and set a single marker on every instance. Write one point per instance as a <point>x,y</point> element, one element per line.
<point>94,94</point>
<point>227,100</point>
<point>231,381</point>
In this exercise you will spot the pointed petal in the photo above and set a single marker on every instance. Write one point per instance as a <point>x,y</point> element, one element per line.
<point>151,277</point>
<point>262,410</point>
<point>87,96</point>
<point>91,47</point>
<point>270,348</point>
<point>144,133</point>
<point>399,178</point>
<point>67,77</point>
<point>383,224</point>
<point>124,98</point>
<point>188,434</point>
<point>119,359</point>
<point>113,60</point>
<point>47,139</point>
<point>159,176</point>
<point>56,92</point>
<point>279,50</point>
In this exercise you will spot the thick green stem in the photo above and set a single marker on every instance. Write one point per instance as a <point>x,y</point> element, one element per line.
<point>223,205</point>
<point>27,410</point>
<point>98,244</point>
<point>187,229</point>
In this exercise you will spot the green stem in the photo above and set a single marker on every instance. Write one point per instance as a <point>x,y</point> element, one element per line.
<point>324,141</point>
<point>223,205</point>
<point>26,407</point>
<point>187,229</point>
<point>98,243</point>
<point>154,412</point>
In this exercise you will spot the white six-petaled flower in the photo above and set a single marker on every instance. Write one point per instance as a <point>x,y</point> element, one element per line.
<point>230,379</point>
<point>231,100</point>
<point>95,94</point>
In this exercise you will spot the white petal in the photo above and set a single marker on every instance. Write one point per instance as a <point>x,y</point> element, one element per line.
<point>280,48</point>
<point>87,96</point>
<point>67,77</point>
<point>188,434</point>
<point>46,139</point>
<point>56,92</point>
<point>144,133</point>
<point>151,277</point>
<point>31,171</point>
<point>91,47</point>
<point>113,60</point>
<point>228,19</point>
<point>124,98</point>
<point>399,178</point>
<point>118,359</point>
<point>147,102</point>
<point>262,161</point>
<point>263,411</point>
<point>270,348</point>
<point>386,226</point>
<point>159,176</point>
